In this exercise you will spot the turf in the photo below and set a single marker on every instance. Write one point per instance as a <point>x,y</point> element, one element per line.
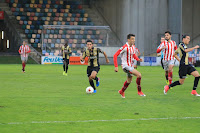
<point>43,94</point>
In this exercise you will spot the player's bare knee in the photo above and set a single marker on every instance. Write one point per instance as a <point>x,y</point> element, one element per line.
<point>139,75</point>
<point>92,76</point>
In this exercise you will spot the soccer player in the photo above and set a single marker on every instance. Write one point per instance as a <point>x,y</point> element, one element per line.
<point>93,63</point>
<point>137,52</point>
<point>127,55</point>
<point>184,67</point>
<point>66,51</point>
<point>23,51</point>
<point>161,54</point>
<point>168,47</point>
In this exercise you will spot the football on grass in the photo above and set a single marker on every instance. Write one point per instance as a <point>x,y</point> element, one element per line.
<point>89,90</point>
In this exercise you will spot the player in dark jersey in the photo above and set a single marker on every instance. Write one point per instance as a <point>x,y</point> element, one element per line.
<point>66,51</point>
<point>184,67</point>
<point>93,62</point>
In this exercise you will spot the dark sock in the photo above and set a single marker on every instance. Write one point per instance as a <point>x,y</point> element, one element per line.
<point>96,78</point>
<point>174,84</point>
<point>166,76</point>
<point>196,81</point>
<point>92,84</point>
<point>66,68</point>
<point>125,86</point>
<point>138,81</point>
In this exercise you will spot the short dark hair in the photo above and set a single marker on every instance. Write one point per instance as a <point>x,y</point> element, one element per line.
<point>130,35</point>
<point>168,32</point>
<point>66,42</point>
<point>89,41</point>
<point>184,36</point>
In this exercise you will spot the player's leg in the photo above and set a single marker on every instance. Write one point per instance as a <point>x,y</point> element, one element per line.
<point>170,74</point>
<point>67,63</point>
<point>182,76</point>
<point>126,84</point>
<point>25,60</point>
<point>166,68</point>
<point>138,81</point>
<point>97,79</point>
<point>196,81</point>
<point>64,64</point>
<point>91,78</point>
<point>166,76</point>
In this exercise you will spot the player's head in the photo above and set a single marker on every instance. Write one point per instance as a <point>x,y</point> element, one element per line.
<point>66,43</point>
<point>89,44</point>
<point>131,39</point>
<point>186,39</point>
<point>168,35</point>
<point>24,42</point>
<point>162,39</point>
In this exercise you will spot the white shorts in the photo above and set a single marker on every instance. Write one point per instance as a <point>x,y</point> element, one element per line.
<point>24,58</point>
<point>167,63</point>
<point>128,70</point>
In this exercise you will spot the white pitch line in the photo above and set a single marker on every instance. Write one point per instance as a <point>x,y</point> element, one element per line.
<point>84,121</point>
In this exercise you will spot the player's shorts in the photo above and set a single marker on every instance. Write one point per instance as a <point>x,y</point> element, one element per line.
<point>185,69</point>
<point>90,69</point>
<point>128,70</point>
<point>66,60</point>
<point>161,61</point>
<point>167,63</point>
<point>24,58</point>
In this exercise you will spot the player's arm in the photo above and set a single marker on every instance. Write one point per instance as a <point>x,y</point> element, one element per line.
<point>82,58</point>
<point>19,50</point>
<point>69,51</point>
<point>136,57</point>
<point>161,47</point>
<point>115,59</point>
<point>159,54</point>
<point>28,50</point>
<point>139,52</point>
<point>190,49</point>
<point>104,53</point>
<point>106,57</point>
<point>176,56</point>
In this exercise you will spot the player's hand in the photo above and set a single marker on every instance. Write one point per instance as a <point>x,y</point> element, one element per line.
<point>196,47</point>
<point>140,60</point>
<point>116,69</point>
<point>107,61</point>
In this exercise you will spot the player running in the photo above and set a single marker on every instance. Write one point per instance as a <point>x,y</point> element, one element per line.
<point>184,67</point>
<point>23,51</point>
<point>127,54</point>
<point>161,54</point>
<point>66,51</point>
<point>93,63</point>
<point>168,47</point>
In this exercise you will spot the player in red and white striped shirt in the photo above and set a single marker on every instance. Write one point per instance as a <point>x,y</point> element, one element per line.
<point>168,47</point>
<point>23,51</point>
<point>127,55</point>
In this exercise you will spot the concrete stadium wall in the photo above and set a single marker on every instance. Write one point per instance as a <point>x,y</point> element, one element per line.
<point>147,19</point>
<point>191,20</point>
<point>144,18</point>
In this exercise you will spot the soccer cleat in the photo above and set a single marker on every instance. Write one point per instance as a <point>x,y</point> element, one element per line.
<point>98,82</point>
<point>122,93</point>
<point>64,73</point>
<point>141,94</point>
<point>194,92</point>
<point>166,88</point>
<point>95,91</point>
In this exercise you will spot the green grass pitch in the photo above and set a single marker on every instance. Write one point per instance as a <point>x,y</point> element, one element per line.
<point>43,100</point>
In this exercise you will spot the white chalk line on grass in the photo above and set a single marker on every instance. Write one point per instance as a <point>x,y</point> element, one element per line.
<point>85,121</point>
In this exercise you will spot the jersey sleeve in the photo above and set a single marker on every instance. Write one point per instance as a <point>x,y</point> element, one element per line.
<point>100,50</point>
<point>84,54</point>
<point>175,46</point>
<point>159,48</point>
<point>121,50</point>
<point>70,50</point>
<point>19,50</point>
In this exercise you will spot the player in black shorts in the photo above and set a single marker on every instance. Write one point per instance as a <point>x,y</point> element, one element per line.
<point>93,62</point>
<point>184,67</point>
<point>66,51</point>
